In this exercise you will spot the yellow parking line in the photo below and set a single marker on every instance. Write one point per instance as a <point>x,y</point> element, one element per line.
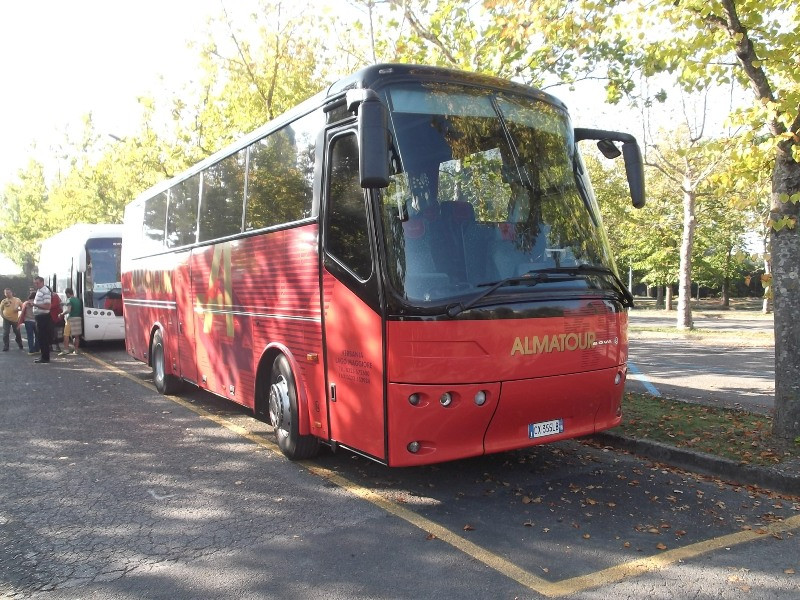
<point>660,561</point>
<point>503,566</point>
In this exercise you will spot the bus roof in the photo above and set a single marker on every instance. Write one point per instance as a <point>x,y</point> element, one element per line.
<point>85,231</point>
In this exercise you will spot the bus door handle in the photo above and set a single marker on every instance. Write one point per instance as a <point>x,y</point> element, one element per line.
<point>333,392</point>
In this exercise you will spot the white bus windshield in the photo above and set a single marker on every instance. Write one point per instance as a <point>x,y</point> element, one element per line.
<point>490,187</point>
<point>103,274</point>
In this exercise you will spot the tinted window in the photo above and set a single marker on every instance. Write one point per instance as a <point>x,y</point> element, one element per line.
<point>347,234</point>
<point>155,217</point>
<point>280,181</point>
<point>182,212</point>
<point>223,198</point>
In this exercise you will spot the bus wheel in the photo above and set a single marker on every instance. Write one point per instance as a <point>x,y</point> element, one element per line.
<point>165,383</point>
<point>283,413</point>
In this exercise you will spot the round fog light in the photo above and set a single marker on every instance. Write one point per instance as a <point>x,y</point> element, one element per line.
<point>446,399</point>
<point>413,399</point>
<point>413,447</point>
<point>480,398</point>
<point>618,378</point>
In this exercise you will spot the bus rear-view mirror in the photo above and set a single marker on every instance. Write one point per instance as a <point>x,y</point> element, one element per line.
<point>373,138</point>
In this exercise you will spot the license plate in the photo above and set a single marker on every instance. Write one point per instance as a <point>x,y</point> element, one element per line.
<point>545,428</point>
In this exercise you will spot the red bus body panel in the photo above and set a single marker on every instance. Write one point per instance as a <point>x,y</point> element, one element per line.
<point>531,370</point>
<point>245,297</point>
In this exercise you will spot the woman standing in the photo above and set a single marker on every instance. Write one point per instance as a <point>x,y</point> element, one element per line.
<point>26,316</point>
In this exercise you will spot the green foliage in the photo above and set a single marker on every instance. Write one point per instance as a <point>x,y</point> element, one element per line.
<point>24,217</point>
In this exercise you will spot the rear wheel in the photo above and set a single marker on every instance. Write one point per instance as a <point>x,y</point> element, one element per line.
<point>284,414</point>
<point>165,383</point>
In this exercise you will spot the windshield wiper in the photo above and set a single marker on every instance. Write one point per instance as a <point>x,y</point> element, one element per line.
<point>583,270</point>
<point>531,278</point>
<point>541,276</point>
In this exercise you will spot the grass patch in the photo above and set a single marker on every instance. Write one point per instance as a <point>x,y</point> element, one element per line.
<point>734,434</point>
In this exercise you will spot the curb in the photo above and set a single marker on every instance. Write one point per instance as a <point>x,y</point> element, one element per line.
<point>706,464</point>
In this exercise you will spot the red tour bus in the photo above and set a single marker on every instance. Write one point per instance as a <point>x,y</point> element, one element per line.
<point>410,264</point>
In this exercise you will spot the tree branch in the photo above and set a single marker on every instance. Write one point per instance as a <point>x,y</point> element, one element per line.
<point>746,54</point>
<point>424,33</point>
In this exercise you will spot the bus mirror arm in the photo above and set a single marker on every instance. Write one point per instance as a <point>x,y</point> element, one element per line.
<point>373,137</point>
<point>631,154</point>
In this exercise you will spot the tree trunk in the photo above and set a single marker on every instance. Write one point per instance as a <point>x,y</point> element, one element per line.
<point>726,280</point>
<point>684,319</point>
<point>785,253</point>
<point>766,306</point>
<point>660,297</point>
<point>669,297</point>
<point>726,292</point>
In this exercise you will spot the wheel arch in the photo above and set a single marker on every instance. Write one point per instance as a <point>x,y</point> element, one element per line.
<point>157,326</point>
<point>268,357</point>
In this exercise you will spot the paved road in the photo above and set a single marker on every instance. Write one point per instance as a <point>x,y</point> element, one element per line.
<point>111,491</point>
<point>730,373</point>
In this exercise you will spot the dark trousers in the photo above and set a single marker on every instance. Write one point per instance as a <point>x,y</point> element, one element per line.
<point>7,327</point>
<point>44,330</point>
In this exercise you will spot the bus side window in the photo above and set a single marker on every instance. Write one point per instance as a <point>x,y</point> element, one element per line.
<point>155,221</point>
<point>222,199</point>
<point>347,235</point>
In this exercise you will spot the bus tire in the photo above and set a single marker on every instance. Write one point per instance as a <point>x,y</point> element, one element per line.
<point>284,415</point>
<point>165,383</point>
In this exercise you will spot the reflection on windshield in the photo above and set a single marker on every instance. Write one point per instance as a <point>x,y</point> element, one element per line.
<point>491,187</point>
<point>103,274</point>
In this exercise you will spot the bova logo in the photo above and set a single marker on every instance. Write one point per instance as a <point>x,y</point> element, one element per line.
<point>560,342</point>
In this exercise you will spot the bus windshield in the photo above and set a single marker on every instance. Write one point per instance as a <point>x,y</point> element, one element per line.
<point>103,274</point>
<point>489,187</point>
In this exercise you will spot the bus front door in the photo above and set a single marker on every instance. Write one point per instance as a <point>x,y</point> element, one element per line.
<point>353,327</point>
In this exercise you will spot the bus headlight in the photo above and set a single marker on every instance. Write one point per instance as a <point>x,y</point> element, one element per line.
<point>413,399</point>
<point>413,447</point>
<point>480,398</point>
<point>446,399</point>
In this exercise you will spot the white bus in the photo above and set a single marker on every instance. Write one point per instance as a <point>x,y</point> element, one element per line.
<point>87,259</point>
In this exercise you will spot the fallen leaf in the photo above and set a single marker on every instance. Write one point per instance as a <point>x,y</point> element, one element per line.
<point>430,536</point>
<point>661,546</point>
<point>468,527</point>
<point>789,571</point>
<point>586,536</point>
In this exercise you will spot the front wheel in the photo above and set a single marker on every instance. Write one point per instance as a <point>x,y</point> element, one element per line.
<point>165,383</point>
<point>284,415</point>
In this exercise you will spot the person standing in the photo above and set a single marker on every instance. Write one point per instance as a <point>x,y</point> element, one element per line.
<point>30,323</point>
<point>73,324</point>
<point>10,306</point>
<point>44,323</point>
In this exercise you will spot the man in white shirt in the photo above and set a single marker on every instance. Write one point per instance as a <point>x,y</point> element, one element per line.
<point>44,324</point>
